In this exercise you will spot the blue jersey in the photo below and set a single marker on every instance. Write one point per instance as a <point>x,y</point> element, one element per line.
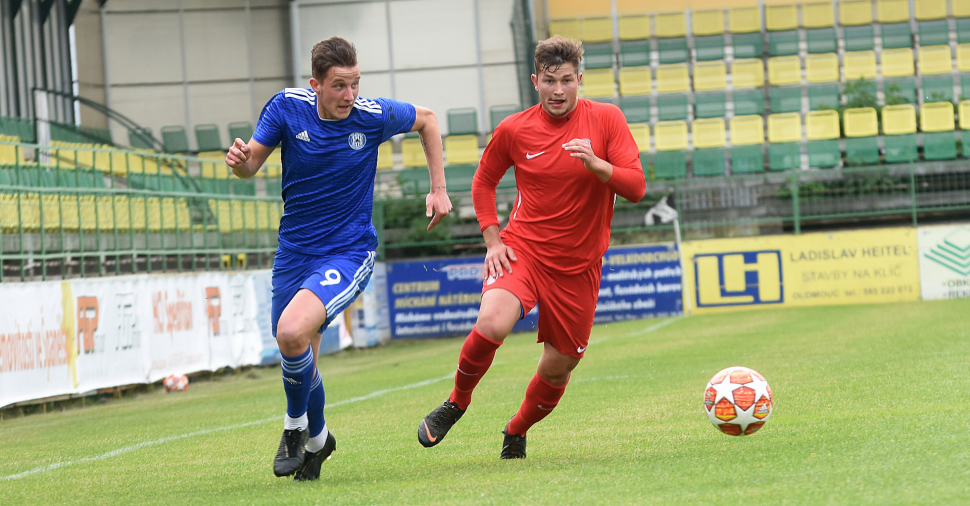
<point>329,168</point>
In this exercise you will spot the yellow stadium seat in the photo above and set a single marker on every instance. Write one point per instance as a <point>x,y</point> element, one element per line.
<point>744,20</point>
<point>268,215</point>
<point>897,62</point>
<point>673,78</point>
<point>461,149</point>
<point>855,12</point>
<point>932,9</point>
<point>412,153</point>
<point>8,152</point>
<point>818,15</point>
<point>899,119</point>
<point>89,213</point>
<point>963,57</point>
<point>965,115</point>
<point>710,76</point>
<point>597,29</point>
<point>25,209</point>
<point>599,83</point>
<point>569,28</point>
<point>935,60</point>
<point>892,11</point>
<point>9,212</point>
<point>784,70</point>
<point>747,130</point>
<point>822,68</point>
<point>785,127</point>
<point>671,24</point>
<point>709,133</point>
<point>641,134</point>
<point>634,81</point>
<point>748,73</point>
<point>781,17</point>
<point>936,117</point>
<point>707,22</point>
<point>385,156</point>
<point>822,125</point>
<point>859,65</point>
<point>50,211</point>
<point>861,122</point>
<point>215,170</point>
<point>634,27</point>
<point>961,9</point>
<point>671,135</point>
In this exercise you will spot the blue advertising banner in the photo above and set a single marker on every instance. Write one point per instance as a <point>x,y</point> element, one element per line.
<point>436,298</point>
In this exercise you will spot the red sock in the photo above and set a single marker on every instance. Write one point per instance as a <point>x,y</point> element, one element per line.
<point>476,357</point>
<point>541,397</point>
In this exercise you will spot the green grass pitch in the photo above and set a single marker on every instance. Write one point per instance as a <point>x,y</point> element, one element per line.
<point>871,407</point>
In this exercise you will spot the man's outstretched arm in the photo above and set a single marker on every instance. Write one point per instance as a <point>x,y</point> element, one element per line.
<point>246,159</point>
<point>437,202</point>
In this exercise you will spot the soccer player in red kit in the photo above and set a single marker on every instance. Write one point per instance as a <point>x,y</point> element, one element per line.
<point>572,157</point>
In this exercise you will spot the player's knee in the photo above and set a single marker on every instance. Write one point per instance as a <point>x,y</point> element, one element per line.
<point>492,327</point>
<point>291,340</point>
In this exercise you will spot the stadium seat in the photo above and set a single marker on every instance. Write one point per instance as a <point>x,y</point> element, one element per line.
<point>463,121</point>
<point>934,33</point>
<point>900,91</point>
<point>710,76</point>
<point>240,130</point>
<point>961,10</point>
<point>459,177</point>
<point>747,45</point>
<point>709,48</point>
<point>821,41</point>
<point>963,57</point>
<point>569,28</point>
<point>641,134</point>
<point>597,29</point>
<point>174,139</point>
<point>892,11</point>
<point>598,56</point>
<point>936,122</point>
<point>935,60</point>
<point>710,105</point>
<point>785,156</point>
<point>783,43</point>
<point>781,17</point>
<point>672,107</point>
<point>938,88</point>
<point>598,83</point>
<point>709,141</point>
<point>414,181</point>
<point>899,126</point>
<point>207,138</point>
<point>635,53</point>
<point>707,22</point>
<point>747,102</point>
<point>963,26</point>
<point>965,127</point>
<point>636,109</point>
<point>897,36</point>
<point>785,99</point>
<point>670,79</point>
<point>784,136</point>
<point>898,63</point>
<point>744,20</point>
<point>822,68</point>
<point>385,156</point>
<point>141,138</point>
<point>822,131</point>
<point>784,70</point>
<point>670,25</point>
<point>461,149</point>
<point>818,15</point>
<point>855,12</point>
<point>634,27</point>
<point>861,127</point>
<point>497,113</point>
<point>747,159</point>
<point>412,153</point>
<point>670,160</point>
<point>859,65</point>
<point>672,50</point>
<point>931,9</point>
<point>748,73</point>
<point>636,81</point>
<point>823,97</point>
<point>859,38</point>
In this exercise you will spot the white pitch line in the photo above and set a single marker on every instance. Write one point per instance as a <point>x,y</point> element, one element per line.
<point>641,332</point>
<point>128,449</point>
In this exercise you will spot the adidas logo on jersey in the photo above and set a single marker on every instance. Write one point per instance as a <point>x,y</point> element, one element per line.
<point>303,136</point>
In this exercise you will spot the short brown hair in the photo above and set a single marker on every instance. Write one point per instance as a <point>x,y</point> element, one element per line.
<point>555,51</point>
<point>333,52</point>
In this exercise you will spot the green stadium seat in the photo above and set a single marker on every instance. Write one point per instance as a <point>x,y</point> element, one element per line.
<point>670,164</point>
<point>508,180</point>
<point>785,99</point>
<point>965,86</point>
<point>174,139</point>
<point>497,113</point>
<point>747,102</point>
<point>859,38</point>
<point>861,151</point>
<point>635,53</point>
<point>463,121</point>
<point>207,137</point>
<point>747,45</point>
<point>934,33</point>
<point>274,187</point>
<point>7,177</point>
<point>901,148</point>
<point>821,41</point>
<point>141,139</point>
<point>965,142</point>
<point>900,91</point>
<point>240,130</point>
<point>897,36</point>
<point>824,153</point>
<point>825,96</point>
<point>747,159</point>
<point>672,107</point>
<point>709,162</point>
<point>709,48</point>
<point>459,177</point>
<point>939,146</point>
<point>963,31</point>
<point>783,43</point>
<point>938,88</point>
<point>710,104</point>
<point>784,156</point>
<point>217,186</point>
<point>672,50</point>
<point>860,91</point>
<point>48,178</point>
<point>243,186</point>
<point>598,56</point>
<point>636,109</point>
<point>414,181</point>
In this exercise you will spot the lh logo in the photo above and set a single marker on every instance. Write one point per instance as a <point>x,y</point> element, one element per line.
<point>736,279</point>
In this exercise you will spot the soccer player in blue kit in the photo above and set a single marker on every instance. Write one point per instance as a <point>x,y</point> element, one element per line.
<point>327,242</point>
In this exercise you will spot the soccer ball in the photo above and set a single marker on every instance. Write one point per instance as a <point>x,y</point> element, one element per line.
<point>176,383</point>
<point>738,401</point>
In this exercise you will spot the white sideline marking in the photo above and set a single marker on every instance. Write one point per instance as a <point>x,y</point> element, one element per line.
<point>641,332</point>
<point>128,449</point>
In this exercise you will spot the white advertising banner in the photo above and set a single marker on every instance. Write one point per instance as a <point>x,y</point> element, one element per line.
<point>944,261</point>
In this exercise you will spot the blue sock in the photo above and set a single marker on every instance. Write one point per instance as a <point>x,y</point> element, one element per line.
<point>315,407</point>
<point>297,381</point>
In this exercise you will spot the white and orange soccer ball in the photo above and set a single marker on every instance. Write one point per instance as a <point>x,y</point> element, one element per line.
<point>176,383</point>
<point>738,401</point>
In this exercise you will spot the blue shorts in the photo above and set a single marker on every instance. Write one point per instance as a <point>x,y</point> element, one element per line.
<point>336,280</point>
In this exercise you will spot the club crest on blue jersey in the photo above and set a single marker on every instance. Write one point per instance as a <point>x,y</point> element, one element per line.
<point>357,140</point>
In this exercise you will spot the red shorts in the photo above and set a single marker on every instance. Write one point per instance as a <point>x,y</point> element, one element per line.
<point>567,303</point>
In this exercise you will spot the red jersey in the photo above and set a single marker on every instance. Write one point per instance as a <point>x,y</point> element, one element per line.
<point>563,211</point>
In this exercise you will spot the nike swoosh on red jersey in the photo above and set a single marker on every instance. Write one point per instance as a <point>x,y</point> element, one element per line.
<point>529,157</point>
